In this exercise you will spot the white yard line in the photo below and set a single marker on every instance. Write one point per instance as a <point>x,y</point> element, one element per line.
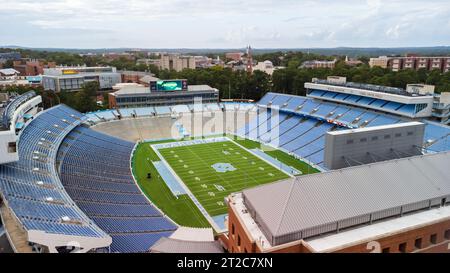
<point>263,159</point>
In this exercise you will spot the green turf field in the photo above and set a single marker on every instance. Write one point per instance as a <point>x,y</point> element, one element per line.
<point>182,210</point>
<point>193,164</point>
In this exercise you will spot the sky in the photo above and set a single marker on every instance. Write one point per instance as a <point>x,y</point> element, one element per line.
<point>224,23</point>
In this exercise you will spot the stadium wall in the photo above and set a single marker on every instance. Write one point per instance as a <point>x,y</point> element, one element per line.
<point>440,231</point>
<point>393,242</point>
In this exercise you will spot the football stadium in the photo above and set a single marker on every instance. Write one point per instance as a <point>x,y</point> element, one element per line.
<point>226,176</point>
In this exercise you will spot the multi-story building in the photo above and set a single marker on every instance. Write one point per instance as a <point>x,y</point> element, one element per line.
<point>412,62</point>
<point>30,67</point>
<point>162,93</point>
<point>441,107</point>
<point>10,77</point>
<point>8,73</point>
<point>234,56</point>
<point>72,78</point>
<point>393,206</point>
<point>147,62</point>
<point>352,61</point>
<point>177,62</point>
<point>118,56</point>
<point>266,67</point>
<point>133,76</point>
<point>318,64</point>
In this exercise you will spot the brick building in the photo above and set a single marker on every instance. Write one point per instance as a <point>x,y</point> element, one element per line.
<point>30,67</point>
<point>394,206</point>
<point>133,76</point>
<point>441,63</point>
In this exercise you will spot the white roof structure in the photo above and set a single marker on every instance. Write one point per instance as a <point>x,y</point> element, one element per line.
<point>312,205</point>
<point>139,90</point>
<point>168,245</point>
<point>8,72</point>
<point>193,234</point>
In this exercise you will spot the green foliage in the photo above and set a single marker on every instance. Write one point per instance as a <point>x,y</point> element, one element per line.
<point>291,80</point>
<point>84,100</point>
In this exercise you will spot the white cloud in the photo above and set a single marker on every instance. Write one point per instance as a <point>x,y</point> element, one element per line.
<point>225,23</point>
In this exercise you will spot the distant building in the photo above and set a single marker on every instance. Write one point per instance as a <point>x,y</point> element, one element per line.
<point>9,72</point>
<point>133,76</point>
<point>72,78</point>
<point>177,62</point>
<point>30,67</point>
<point>266,67</point>
<point>117,56</point>
<point>10,77</point>
<point>249,58</point>
<point>318,64</point>
<point>380,61</point>
<point>235,56</point>
<point>147,62</point>
<point>412,62</point>
<point>162,93</point>
<point>352,61</point>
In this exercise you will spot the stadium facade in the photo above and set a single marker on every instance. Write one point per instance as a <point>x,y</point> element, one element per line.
<point>132,97</point>
<point>69,186</point>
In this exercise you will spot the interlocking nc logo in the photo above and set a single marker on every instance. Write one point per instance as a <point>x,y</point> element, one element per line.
<point>374,247</point>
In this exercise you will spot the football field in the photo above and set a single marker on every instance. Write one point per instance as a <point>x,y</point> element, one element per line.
<point>212,171</point>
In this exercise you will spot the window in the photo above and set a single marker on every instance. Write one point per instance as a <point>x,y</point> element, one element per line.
<point>350,141</point>
<point>402,247</point>
<point>232,229</point>
<point>239,241</point>
<point>447,234</point>
<point>433,238</point>
<point>387,136</point>
<point>374,138</point>
<point>386,250</point>
<point>410,133</point>
<point>398,134</point>
<point>418,243</point>
<point>363,140</point>
<point>12,147</point>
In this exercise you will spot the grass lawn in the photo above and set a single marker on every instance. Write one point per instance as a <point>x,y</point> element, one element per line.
<point>193,164</point>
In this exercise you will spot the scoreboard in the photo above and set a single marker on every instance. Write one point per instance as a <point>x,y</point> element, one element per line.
<point>168,85</point>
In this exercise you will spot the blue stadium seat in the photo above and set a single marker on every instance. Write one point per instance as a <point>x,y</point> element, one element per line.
<point>95,172</point>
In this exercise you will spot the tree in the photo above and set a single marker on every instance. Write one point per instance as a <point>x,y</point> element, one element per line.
<point>84,100</point>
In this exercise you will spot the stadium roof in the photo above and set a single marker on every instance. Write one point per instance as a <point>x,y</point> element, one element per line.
<point>168,245</point>
<point>370,87</point>
<point>312,201</point>
<point>139,90</point>
<point>9,71</point>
